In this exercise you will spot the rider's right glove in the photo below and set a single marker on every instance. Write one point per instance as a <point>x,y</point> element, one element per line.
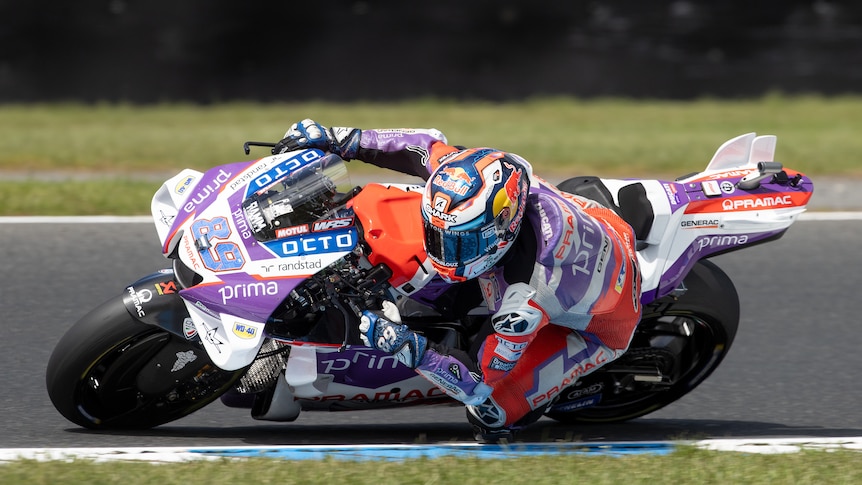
<point>342,141</point>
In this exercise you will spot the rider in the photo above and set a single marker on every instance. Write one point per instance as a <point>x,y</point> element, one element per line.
<point>558,271</point>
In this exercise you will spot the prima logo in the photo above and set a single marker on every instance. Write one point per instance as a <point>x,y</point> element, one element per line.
<point>721,241</point>
<point>248,290</point>
<point>207,190</point>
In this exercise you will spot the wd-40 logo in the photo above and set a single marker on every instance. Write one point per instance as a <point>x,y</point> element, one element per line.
<point>244,331</point>
<point>315,243</point>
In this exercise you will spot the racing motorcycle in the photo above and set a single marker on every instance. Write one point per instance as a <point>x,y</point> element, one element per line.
<point>274,259</point>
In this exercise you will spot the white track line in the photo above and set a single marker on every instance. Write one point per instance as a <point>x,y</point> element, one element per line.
<point>780,445</point>
<point>75,219</point>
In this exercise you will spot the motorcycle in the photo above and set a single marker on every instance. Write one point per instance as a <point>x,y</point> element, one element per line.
<point>274,259</point>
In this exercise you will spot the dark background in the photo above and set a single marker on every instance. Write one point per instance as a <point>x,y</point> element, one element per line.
<point>221,50</point>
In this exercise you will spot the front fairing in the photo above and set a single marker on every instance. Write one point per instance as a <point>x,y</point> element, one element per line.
<point>240,280</point>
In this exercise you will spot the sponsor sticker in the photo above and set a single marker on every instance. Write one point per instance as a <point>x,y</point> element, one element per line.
<point>244,331</point>
<point>711,188</point>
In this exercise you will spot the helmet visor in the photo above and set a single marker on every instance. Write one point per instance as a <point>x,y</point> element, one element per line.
<point>458,248</point>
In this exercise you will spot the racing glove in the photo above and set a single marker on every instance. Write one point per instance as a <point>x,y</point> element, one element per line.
<point>388,334</point>
<point>343,141</point>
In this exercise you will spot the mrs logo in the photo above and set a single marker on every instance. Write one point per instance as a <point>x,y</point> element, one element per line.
<point>332,224</point>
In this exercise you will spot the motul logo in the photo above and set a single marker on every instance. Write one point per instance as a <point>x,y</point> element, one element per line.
<point>291,231</point>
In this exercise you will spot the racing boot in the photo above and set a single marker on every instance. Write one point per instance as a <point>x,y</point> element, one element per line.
<point>489,423</point>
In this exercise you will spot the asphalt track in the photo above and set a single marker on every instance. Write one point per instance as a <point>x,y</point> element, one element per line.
<point>791,373</point>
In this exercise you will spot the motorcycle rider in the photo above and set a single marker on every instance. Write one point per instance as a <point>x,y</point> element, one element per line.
<point>558,271</point>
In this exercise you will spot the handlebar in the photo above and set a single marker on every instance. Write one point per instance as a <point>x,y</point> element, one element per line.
<point>246,146</point>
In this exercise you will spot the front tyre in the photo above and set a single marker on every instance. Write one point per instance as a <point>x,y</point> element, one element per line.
<point>110,371</point>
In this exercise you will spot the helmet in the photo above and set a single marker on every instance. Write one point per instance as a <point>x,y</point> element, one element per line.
<point>472,208</point>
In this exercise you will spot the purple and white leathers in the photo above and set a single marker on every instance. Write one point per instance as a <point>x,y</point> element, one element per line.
<point>578,263</point>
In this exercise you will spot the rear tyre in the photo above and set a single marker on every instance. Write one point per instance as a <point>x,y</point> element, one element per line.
<point>110,371</point>
<point>682,340</point>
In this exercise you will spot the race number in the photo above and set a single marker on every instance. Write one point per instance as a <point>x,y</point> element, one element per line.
<point>223,255</point>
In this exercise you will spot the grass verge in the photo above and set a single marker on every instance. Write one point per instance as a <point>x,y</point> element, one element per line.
<point>92,147</point>
<point>683,466</point>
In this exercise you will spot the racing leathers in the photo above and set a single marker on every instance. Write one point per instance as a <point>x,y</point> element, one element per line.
<point>565,297</point>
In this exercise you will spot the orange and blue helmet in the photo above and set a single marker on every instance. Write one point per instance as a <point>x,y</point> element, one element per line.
<point>472,208</point>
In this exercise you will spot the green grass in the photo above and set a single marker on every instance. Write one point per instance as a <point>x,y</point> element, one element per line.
<point>94,197</point>
<point>560,136</point>
<point>687,466</point>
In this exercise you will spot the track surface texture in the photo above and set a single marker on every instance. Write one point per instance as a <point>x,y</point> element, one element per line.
<point>790,373</point>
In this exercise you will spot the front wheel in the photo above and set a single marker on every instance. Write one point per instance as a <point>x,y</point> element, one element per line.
<point>110,371</point>
<point>677,345</point>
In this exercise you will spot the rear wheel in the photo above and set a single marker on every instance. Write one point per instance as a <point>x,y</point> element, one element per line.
<point>111,371</point>
<point>677,345</point>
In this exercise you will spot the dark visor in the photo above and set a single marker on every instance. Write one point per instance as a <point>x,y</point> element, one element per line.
<point>457,248</point>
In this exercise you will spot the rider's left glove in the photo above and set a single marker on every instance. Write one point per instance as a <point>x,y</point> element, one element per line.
<point>342,141</point>
<point>392,337</point>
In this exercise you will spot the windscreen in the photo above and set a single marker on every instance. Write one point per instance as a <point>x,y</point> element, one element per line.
<point>303,196</point>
